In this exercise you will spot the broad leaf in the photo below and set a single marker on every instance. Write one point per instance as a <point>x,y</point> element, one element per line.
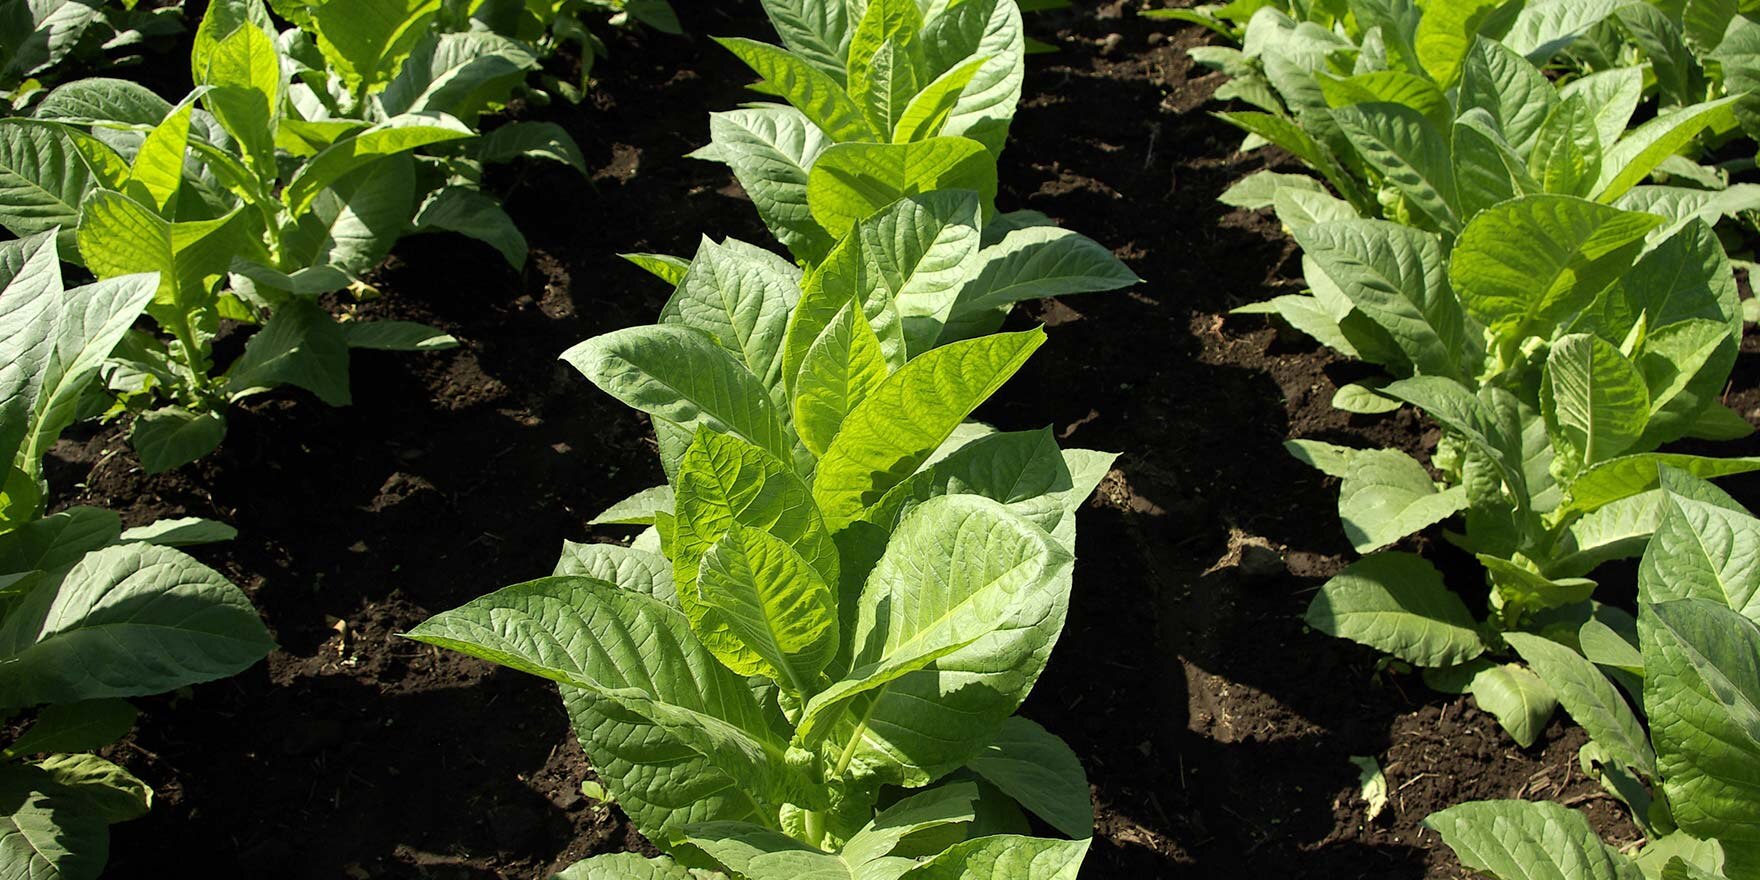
<point>129,620</point>
<point>1396,602</point>
<point>892,432</point>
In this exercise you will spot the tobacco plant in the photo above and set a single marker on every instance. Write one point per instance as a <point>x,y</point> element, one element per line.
<point>809,660</point>
<point>1490,239</point>
<point>890,103</point>
<point>253,196</point>
<point>1689,765</point>
<point>90,613</point>
<point>1558,354</point>
<point>1429,116</point>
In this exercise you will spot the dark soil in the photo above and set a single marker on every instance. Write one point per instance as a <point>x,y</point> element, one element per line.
<point>1217,731</point>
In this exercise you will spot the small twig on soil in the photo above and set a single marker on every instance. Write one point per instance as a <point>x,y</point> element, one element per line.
<point>1587,796</point>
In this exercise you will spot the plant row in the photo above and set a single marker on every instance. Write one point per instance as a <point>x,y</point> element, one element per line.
<point>809,660</point>
<point>293,167</point>
<point>299,159</point>
<point>1515,215</point>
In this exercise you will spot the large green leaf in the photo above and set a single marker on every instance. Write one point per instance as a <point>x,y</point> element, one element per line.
<point>1594,400</point>
<point>59,540</point>
<point>1409,150</point>
<point>1514,92</point>
<point>649,699</point>
<point>1036,262</point>
<point>301,345</point>
<point>928,113</point>
<point>818,32</point>
<point>1544,27</point>
<point>886,65</point>
<point>626,866</point>
<point>915,254</point>
<point>54,342</point>
<point>1005,857</point>
<point>461,75</point>
<point>892,432</point>
<point>1702,693</point>
<point>43,178</point>
<point>1567,153</point>
<point>1040,772</point>
<point>393,136</point>
<point>725,485</point>
<point>1645,147</point>
<point>741,296</point>
<point>1590,698</point>
<point>812,91</point>
<point>352,224</point>
<point>1629,475</point>
<point>851,182</point>
<point>1529,840</point>
<point>246,87</point>
<point>683,376</point>
<point>754,851</point>
<point>954,34</point>
<point>1396,602</point>
<point>1387,495</point>
<point>770,149</point>
<point>843,366</point>
<point>170,437</point>
<point>627,567</point>
<point>1445,34</point>
<point>1703,550</point>
<point>365,40</point>
<point>104,98</point>
<point>1024,470</point>
<point>778,606</point>
<point>129,620</point>
<point>1527,264</point>
<point>45,830</point>
<point>1395,275</point>
<point>954,625</point>
<point>75,727</point>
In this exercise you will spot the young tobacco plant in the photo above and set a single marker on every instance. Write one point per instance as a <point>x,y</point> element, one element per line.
<point>1429,118</point>
<point>810,660</point>
<point>90,613</point>
<point>1689,766</point>
<point>1558,350</point>
<point>887,101</point>
<point>251,198</point>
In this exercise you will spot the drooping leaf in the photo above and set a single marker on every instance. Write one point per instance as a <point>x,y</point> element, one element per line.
<point>1396,602</point>
<point>128,620</point>
<point>1702,695</point>
<point>1540,840</point>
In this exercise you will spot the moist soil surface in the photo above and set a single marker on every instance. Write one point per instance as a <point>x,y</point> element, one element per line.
<point>1217,731</point>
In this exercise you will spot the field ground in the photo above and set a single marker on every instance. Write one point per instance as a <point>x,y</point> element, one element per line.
<point>1217,732</point>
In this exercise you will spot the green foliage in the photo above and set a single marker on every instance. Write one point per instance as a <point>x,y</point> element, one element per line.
<point>89,613</point>
<point>810,661</point>
<point>1538,275</point>
<point>1695,651</point>
<point>291,170</point>
<point>40,37</point>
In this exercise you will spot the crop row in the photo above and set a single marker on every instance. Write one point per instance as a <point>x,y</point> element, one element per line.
<point>808,660</point>
<point>1514,216</point>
